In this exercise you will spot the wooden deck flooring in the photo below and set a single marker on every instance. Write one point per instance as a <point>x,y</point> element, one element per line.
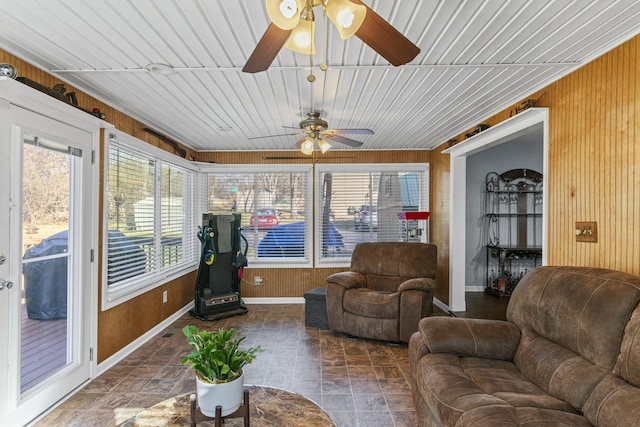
<point>43,349</point>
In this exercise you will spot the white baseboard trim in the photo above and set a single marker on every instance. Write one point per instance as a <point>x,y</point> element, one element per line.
<point>134,345</point>
<point>442,306</point>
<point>274,300</point>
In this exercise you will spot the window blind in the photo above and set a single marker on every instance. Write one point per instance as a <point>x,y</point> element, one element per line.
<point>360,203</point>
<point>275,208</point>
<point>150,220</point>
<point>131,196</point>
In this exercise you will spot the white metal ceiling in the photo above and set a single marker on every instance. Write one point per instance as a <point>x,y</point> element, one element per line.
<point>477,57</point>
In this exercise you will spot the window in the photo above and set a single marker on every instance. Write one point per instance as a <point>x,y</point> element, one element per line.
<point>150,225</point>
<point>275,205</point>
<point>360,203</point>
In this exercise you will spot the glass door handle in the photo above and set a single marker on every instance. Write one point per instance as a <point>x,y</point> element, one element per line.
<point>6,283</point>
<point>2,259</point>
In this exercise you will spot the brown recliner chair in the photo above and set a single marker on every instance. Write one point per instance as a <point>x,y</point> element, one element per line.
<point>388,290</point>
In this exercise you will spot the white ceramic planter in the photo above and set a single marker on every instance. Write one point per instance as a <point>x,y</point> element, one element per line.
<point>228,395</point>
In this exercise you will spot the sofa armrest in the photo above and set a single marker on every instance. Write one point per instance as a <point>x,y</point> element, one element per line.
<point>491,339</point>
<point>347,279</point>
<point>420,284</point>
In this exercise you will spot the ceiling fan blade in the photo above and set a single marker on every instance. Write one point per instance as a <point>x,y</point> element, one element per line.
<point>348,131</point>
<point>341,139</point>
<point>273,136</point>
<point>267,49</point>
<point>385,39</point>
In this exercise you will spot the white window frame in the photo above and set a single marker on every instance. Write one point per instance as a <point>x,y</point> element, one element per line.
<point>340,262</point>
<point>131,288</point>
<point>287,262</point>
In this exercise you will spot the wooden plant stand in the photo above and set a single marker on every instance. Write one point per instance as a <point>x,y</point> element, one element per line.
<point>241,412</point>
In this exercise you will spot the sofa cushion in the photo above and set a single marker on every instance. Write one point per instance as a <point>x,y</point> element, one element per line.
<point>370,303</point>
<point>382,283</point>
<point>470,337</point>
<point>374,328</point>
<point>470,391</point>
<point>572,306</point>
<point>555,369</point>
<point>628,363</point>
<point>571,326</point>
<point>381,262</point>
<point>616,400</point>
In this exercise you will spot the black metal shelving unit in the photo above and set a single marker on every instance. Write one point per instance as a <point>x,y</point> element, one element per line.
<point>513,225</point>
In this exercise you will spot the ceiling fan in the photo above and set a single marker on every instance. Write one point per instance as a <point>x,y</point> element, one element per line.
<point>314,131</point>
<point>293,26</point>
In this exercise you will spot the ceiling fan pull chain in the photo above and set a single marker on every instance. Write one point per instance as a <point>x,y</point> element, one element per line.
<point>324,66</point>
<point>311,78</point>
<point>312,91</point>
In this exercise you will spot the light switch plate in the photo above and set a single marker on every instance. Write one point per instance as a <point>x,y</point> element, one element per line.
<point>587,231</point>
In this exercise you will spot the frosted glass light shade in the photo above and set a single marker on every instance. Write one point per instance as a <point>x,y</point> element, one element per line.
<point>307,146</point>
<point>285,13</point>
<point>346,16</point>
<point>324,145</point>
<point>302,38</point>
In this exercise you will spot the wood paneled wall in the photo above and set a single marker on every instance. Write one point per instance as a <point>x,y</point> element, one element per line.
<point>332,156</point>
<point>439,219</point>
<point>594,163</point>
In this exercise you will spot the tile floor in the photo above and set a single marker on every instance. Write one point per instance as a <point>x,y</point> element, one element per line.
<point>360,383</point>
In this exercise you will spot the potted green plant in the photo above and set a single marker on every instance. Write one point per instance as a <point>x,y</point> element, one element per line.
<point>218,361</point>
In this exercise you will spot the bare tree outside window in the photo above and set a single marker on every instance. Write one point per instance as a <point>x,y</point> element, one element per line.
<point>45,192</point>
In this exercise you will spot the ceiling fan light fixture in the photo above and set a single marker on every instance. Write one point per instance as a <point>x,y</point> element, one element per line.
<point>307,146</point>
<point>285,14</point>
<point>302,38</point>
<point>324,145</point>
<point>346,16</point>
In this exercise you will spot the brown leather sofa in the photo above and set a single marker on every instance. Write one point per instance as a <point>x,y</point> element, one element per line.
<point>568,354</point>
<point>388,290</point>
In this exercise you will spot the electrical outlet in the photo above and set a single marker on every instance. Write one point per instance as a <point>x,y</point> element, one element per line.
<point>257,280</point>
<point>165,296</point>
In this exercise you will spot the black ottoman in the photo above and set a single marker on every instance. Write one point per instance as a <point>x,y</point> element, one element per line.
<point>315,308</point>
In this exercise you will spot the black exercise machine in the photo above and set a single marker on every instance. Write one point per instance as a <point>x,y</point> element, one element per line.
<point>217,290</point>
